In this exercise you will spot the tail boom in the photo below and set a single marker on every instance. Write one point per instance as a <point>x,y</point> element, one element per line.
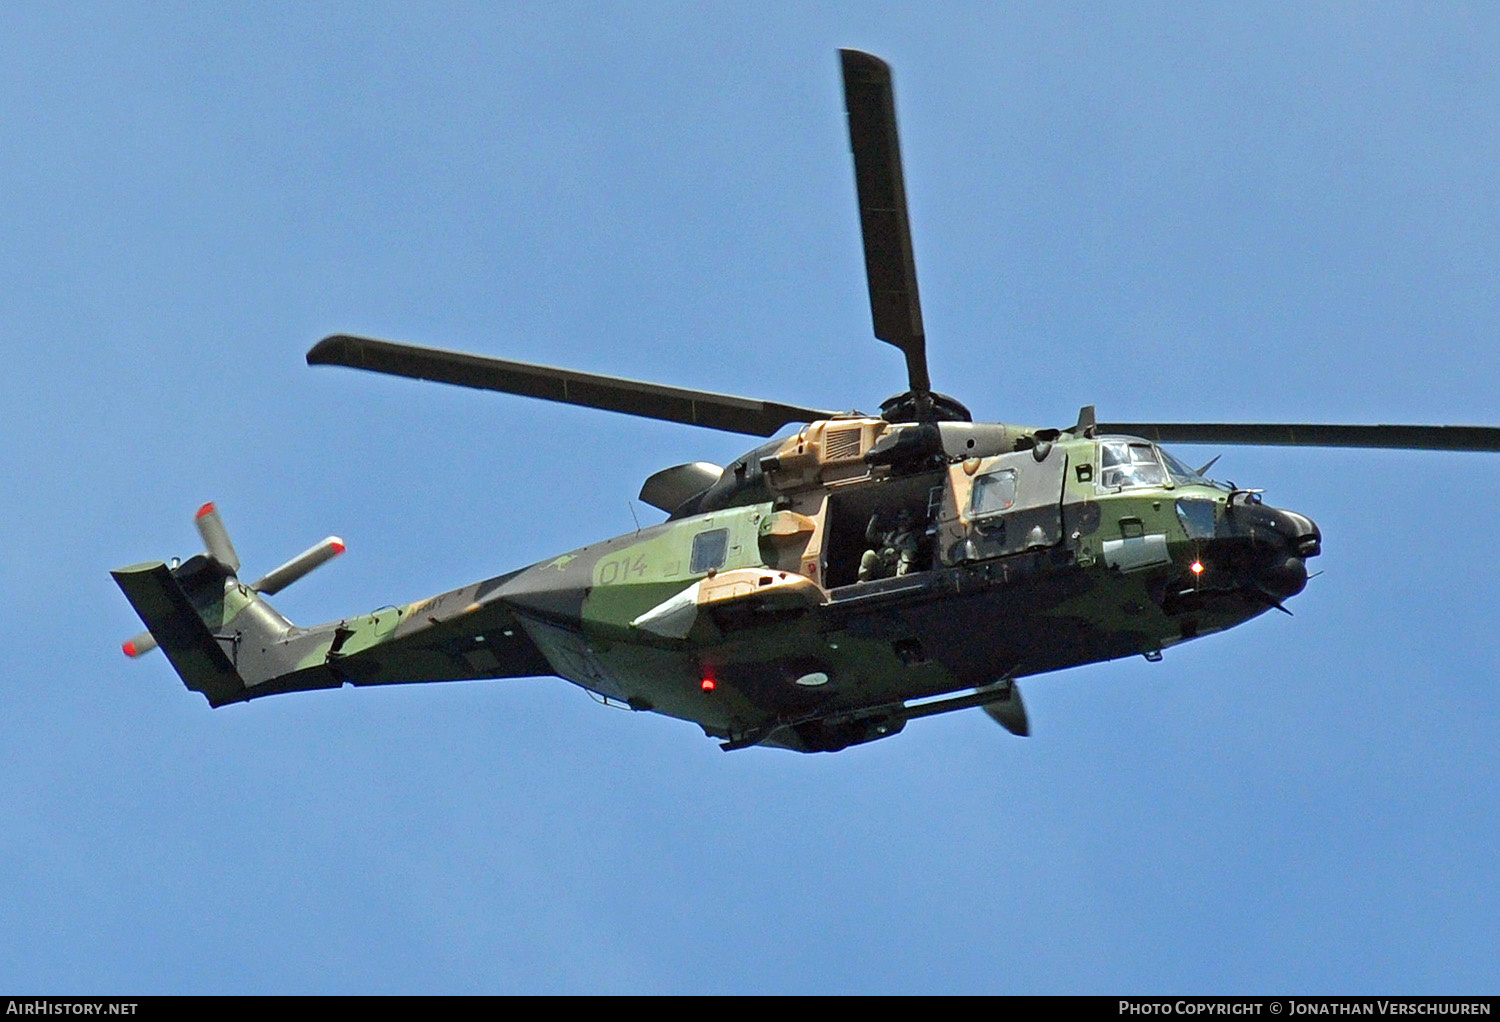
<point>228,643</point>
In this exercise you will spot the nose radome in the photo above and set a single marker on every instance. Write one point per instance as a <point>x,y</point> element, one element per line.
<point>1302,533</point>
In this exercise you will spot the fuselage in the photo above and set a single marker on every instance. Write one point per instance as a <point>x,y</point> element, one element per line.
<point>805,595</point>
<point>786,603</point>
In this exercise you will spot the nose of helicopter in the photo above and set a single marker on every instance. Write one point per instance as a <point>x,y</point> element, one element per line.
<point>1289,538</point>
<point>1300,531</point>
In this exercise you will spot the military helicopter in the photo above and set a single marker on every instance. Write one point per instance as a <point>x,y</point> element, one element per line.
<point>828,586</point>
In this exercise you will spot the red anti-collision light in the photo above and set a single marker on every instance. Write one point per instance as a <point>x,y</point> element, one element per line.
<point>1196,567</point>
<point>707,685</point>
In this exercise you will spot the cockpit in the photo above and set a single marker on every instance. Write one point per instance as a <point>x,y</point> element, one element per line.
<point>1125,464</point>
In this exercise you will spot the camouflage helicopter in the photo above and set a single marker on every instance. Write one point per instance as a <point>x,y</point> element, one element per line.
<point>826,587</point>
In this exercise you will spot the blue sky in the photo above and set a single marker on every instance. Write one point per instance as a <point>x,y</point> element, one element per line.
<point>1212,212</point>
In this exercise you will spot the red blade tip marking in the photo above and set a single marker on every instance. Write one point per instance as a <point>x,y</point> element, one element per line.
<point>129,647</point>
<point>206,509</point>
<point>338,546</point>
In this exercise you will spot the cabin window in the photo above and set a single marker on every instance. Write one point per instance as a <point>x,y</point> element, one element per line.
<point>993,494</point>
<point>709,550</point>
<point>1125,464</point>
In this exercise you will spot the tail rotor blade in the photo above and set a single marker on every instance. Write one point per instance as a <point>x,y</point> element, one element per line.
<point>216,537</point>
<point>277,579</point>
<point>139,645</point>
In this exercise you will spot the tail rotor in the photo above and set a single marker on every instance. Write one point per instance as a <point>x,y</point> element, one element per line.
<point>219,549</point>
<point>216,537</point>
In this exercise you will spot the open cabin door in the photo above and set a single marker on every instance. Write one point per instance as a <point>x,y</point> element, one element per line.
<point>1003,505</point>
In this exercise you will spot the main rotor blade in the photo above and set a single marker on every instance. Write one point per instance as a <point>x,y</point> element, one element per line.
<point>1415,438</point>
<point>611,393</point>
<point>890,266</point>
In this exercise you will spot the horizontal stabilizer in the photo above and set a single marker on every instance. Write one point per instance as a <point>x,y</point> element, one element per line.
<point>181,633</point>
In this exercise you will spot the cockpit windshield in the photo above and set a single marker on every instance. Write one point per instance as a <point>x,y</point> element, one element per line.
<point>1129,463</point>
<point>1181,473</point>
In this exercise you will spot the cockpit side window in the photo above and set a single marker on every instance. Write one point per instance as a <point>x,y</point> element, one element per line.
<point>1123,464</point>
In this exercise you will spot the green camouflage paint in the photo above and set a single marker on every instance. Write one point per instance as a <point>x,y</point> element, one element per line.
<point>754,652</point>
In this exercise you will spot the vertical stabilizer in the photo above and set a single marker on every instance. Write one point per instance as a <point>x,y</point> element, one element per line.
<point>180,631</point>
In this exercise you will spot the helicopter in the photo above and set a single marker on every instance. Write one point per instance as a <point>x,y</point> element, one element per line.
<point>828,586</point>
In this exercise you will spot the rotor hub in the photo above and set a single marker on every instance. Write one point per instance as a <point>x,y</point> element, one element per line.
<point>923,406</point>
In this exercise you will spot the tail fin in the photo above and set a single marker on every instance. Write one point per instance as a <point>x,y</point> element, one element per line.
<point>210,625</point>
<point>176,624</point>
